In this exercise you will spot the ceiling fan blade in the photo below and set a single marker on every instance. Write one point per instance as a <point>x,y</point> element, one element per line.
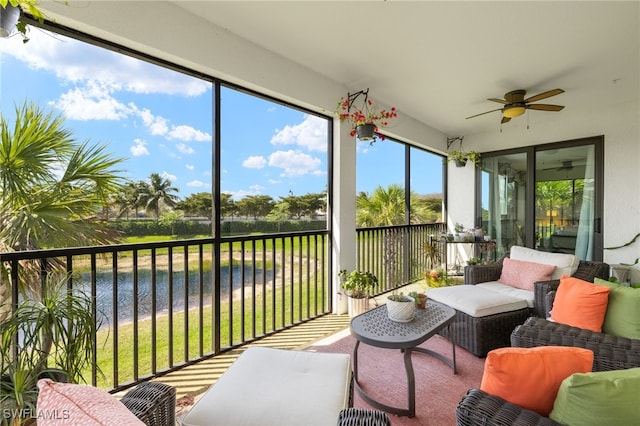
<point>544,95</point>
<point>546,107</point>
<point>487,112</point>
<point>500,101</point>
<point>505,120</point>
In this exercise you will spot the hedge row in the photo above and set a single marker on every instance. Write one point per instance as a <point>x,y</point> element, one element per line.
<point>140,228</point>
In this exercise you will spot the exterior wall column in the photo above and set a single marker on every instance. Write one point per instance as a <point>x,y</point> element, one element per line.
<point>343,214</point>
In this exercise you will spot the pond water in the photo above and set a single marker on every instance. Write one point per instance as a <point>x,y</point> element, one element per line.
<point>126,296</point>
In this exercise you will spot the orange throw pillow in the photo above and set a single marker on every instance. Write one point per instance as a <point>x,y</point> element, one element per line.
<point>580,304</point>
<point>531,377</point>
<point>523,274</point>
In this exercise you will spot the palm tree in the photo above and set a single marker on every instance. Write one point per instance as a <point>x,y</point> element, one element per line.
<point>156,193</point>
<point>128,200</point>
<point>386,207</point>
<point>52,189</point>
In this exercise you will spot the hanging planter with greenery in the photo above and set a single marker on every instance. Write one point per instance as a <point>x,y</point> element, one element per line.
<point>461,157</point>
<point>365,117</point>
<point>10,11</point>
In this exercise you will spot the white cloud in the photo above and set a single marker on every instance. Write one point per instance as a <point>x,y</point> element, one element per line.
<point>188,133</point>
<point>254,162</point>
<point>91,102</point>
<point>198,184</point>
<point>97,76</point>
<point>273,181</point>
<point>73,61</point>
<point>156,125</point>
<point>310,134</point>
<point>184,148</point>
<point>169,176</point>
<point>237,195</point>
<point>139,148</point>
<point>190,167</point>
<point>294,163</point>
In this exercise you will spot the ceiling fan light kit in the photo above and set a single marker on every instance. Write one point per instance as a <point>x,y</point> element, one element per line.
<point>513,111</point>
<point>516,105</point>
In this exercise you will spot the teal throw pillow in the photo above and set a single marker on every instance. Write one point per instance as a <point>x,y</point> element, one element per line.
<point>623,310</point>
<point>597,399</point>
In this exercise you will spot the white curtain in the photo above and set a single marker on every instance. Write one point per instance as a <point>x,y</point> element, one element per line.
<point>585,238</point>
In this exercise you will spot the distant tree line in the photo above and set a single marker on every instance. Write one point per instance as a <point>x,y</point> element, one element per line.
<point>158,196</point>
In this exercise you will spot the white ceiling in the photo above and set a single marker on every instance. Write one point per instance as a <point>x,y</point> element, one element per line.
<point>438,62</point>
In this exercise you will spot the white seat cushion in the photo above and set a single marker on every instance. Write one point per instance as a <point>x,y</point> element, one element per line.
<point>476,301</point>
<point>267,386</point>
<point>566,264</point>
<point>509,290</point>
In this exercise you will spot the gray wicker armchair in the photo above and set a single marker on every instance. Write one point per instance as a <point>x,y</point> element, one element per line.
<point>478,408</point>
<point>610,352</point>
<point>153,403</point>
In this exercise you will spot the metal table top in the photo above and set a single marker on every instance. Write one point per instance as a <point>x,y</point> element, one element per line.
<point>376,329</point>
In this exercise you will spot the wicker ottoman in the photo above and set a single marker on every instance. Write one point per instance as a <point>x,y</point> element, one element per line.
<point>485,319</point>
<point>267,386</point>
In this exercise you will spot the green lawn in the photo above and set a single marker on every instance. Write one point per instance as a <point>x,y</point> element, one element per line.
<point>235,327</point>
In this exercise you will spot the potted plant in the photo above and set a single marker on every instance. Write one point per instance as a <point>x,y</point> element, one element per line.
<point>461,157</point>
<point>357,286</point>
<point>365,117</point>
<point>437,277</point>
<point>51,336</point>
<point>10,11</point>
<point>420,299</point>
<point>400,307</point>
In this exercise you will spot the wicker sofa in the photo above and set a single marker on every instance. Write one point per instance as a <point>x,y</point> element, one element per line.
<point>480,335</point>
<point>478,408</point>
<point>153,403</point>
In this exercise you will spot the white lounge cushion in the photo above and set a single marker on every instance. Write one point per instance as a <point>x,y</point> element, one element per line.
<point>566,264</point>
<point>267,386</point>
<point>509,291</point>
<point>476,301</point>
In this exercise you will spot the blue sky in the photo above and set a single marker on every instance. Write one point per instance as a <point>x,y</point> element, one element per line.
<point>160,121</point>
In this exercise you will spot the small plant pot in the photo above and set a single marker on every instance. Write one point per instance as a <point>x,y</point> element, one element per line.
<point>401,311</point>
<point>460,163</point>
<point>358,305</point>
<point>421,303</point>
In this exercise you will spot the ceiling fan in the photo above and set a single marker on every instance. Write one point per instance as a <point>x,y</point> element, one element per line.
<point>566,165</point>
<point>515,104</point>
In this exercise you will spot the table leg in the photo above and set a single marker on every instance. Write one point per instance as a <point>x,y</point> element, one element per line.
<point>411,387</point>
<point>411,383</point>
<point>453,346</point>
<point>355,361</point>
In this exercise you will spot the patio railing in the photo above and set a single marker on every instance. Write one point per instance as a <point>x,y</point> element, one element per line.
<point>161,306</point>
<point>399,255</point>
<point>164,305</point>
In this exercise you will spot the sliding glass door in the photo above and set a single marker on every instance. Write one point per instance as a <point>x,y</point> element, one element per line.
<point>548,197</point>
<point>504,198</point>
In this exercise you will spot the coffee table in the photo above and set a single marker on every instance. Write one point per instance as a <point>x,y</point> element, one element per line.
<point>374,328</point>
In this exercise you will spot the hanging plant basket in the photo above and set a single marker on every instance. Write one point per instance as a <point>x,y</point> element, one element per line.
<point>366,132</point>
<point>8,19</point>
<point>461,163</point>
